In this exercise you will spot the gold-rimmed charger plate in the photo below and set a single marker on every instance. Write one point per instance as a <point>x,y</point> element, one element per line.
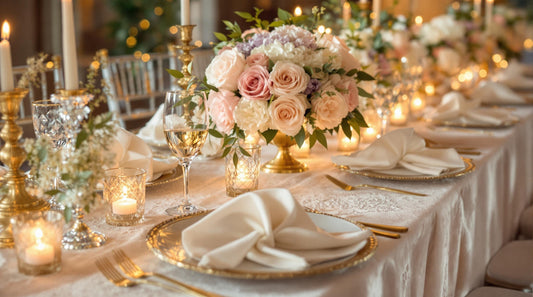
<point>164,240</point>
<point>505,124</point>
<point>174,175</point>
<point>451,173</point>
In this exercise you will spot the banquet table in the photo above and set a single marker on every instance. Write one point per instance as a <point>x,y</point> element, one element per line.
<point>453,232</point>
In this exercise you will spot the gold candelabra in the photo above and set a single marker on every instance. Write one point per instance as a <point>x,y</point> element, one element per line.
<point>16,199</point>
<point>185,34</point>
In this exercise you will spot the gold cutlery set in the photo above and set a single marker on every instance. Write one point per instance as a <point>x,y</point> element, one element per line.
<point>138,276</point>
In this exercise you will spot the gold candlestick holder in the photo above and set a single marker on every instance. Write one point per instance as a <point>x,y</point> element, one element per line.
<point>16,199</point>
<point>185,33</point>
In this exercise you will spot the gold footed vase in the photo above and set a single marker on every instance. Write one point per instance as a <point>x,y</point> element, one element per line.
<point>284,162</point>
<point>16,199</point>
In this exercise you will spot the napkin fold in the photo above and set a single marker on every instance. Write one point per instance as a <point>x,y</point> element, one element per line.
<point>455,108</point>
<point>131,151</point>
<point>267,227</point>
<point>513,77</point>
<point>402,148</point>
<point>490,92</point>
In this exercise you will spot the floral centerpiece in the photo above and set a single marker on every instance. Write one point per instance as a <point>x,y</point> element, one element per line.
<point>509,29</point>
<point>283,76</point>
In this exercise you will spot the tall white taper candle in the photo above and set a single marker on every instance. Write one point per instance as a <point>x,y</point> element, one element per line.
<point>6,69</point>
<point>185,12</point>
<point>376,9</point>
<point>69,46</point>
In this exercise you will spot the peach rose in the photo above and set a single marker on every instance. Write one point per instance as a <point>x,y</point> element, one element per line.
<point>225,69</point>
<point>257,59</point>
<point>348,89</point>
<point>254,83</point>
<point>287,113</point>
<point>288,79</point>
<point>221,105</point>
<point>329,109</point>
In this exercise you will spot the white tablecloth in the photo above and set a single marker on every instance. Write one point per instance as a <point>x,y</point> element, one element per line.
<point>452,233</point>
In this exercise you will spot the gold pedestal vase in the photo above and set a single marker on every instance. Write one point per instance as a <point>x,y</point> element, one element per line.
<point>284,162</point>
<point>15,199</point>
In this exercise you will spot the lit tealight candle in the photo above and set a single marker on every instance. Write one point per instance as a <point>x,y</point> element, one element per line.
<point>346,144</point>
<point>430,89</point>
<point>243,179</point>
<point>417,104</point>
<point>301,152</point>
<point>40,253</point>
<point>6,69</point>
<point>124,206</point>
<point>398,116</point>
<point>369,134</point>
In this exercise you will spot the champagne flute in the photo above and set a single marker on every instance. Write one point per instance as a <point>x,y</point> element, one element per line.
<point>185,123</point>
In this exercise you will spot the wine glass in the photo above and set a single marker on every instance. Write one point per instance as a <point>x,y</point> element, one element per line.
<point>386,94</point>
<point>47,120</point>
<point>185,123</point>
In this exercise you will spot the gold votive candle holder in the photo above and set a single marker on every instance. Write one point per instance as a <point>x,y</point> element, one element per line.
<point>37,236</point>
<point>124,193</point>
<point>347,144</point>
<point>243,175</point>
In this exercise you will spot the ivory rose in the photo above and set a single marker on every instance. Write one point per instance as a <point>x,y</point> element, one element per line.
<point>287,113</point>
<point>254,83</point>
<point>225,69</point>
<point>288,79</point>
<point>221,106</point>
<point>257,59</point>
<point>329,109</point>
<point>252,115</point>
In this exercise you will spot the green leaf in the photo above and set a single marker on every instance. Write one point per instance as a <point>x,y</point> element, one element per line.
<point>269,135</point>
<point>85,174</point>
<point>346,128</point>
<point>67,212</point>
<point>244,152</point>
<point>235,159</point>
<point>351,72</point>
<point>359,119</point>
<point>364,93</point>
<point>300,137</point>
<point>82,136</point>
<point>215,133</point>
<point>284,15</point>
<point>175,73</point>
<point>312,140</point>
<point>244,15</point>
<point>361,75</point>
<point>300,19</point>
<point>275,24</point>
<point>321,138</point>
<point>52,192</point>
<point>308,70</point>
<point>220,37</point>
<point>226,151</point>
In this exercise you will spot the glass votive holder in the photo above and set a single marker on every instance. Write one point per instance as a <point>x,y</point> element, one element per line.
<point>345,144</point>
<point>242,171</point>
<point>124,193</point>
<point>301,152</point>
<point>37,237</point>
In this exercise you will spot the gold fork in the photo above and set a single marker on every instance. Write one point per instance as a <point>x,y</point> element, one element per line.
<point>347,187</point>
<point>107,269</point>
<point>133,270</point>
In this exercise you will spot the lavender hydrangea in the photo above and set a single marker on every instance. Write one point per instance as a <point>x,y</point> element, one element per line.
<point>284,34</point>
<point>313,86</point>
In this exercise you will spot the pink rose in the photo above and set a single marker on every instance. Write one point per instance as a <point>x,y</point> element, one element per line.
<point>348,89</point>
<point>221,105</point>
<point>288,79</point>
<point>287,113</point>
<point>329,109</point>
<point>254,83</point>
<point>348,60</point>
<point>257,59</point>
<point>224,71</point>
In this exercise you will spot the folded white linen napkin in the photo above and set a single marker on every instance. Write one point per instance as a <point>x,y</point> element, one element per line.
<point>454,108</point>
<point>402,148</point>
<point>513,77</point>
<point>267,227</point>
<point>132,151</point>
<point>152,132</point>
<point>490,92</point>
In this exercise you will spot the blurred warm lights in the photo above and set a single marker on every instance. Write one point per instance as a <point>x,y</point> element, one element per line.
<point>528,43</point>
<point>372,15</point>
<point>419,20</point>
<point>321,29</point>
<point>328,30</point>
<point>137,54</point>
<point>483,73</point>
<point>49,64</point>
<point>430,89</point>
<point>497,58</point>
<point>131,41</point>
<point>198,43</point>
<point>456,5</point>
<point>158,10</point>
<point>95,64</point>
<point>173,30</point>
<point>133,31</point>
<point>145,57</point>
<point>503,64</point>
<point>144,24</point>
<point>298,11</point>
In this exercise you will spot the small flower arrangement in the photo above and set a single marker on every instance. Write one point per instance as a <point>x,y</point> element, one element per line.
<point>282,76</point>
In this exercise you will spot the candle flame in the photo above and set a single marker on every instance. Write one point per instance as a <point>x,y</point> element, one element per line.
<point>5,30</point>
<point>38,233</point>
<point>321,29</point>
<point>298,11</point>
<point>419,20</point>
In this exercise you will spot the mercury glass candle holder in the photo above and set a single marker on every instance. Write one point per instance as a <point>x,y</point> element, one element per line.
<point>124,193</point>
<point>242,171</point>
<point>37,238</point>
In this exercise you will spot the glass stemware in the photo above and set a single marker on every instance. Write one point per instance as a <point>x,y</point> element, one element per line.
<point>386,94</point>
<point>185,123</point>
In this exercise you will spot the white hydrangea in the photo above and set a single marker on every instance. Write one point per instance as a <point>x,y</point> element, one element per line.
<point>252,115</point>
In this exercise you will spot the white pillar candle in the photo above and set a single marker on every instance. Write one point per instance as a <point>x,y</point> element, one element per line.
<point>6,69</point>
<point>477,8</point>
<point>488,15</point>
<point>40,253</point>
<point>398,116</point>
<point>124,206</point>
<point>185,12</point>
<point>376,9</point>
<point>69,46</point>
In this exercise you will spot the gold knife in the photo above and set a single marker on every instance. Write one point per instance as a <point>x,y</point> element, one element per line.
<point>348,187</point>
<point>400,229</point>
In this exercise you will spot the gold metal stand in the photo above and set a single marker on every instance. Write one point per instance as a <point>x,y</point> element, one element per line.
<point>284,162</point>
<point>16,200</point>
<point>186,58</point>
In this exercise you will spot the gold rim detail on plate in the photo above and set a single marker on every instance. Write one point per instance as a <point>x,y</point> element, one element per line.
<point>159,234</point>
<point>469,167</point>
<point>166,178</point>
<point>506,124</point>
